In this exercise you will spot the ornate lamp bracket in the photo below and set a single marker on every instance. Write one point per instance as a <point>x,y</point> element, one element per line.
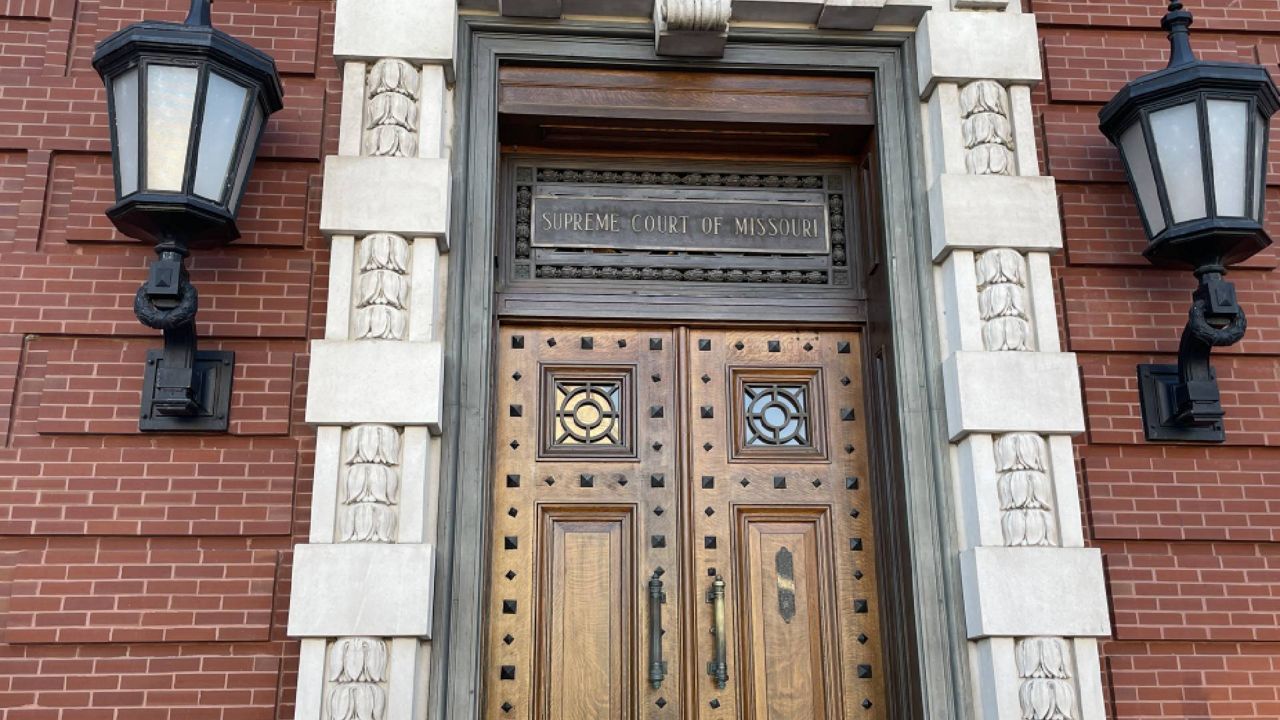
<point>184,388</point>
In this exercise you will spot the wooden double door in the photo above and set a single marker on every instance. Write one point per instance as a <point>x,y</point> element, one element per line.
<point>681,526</point>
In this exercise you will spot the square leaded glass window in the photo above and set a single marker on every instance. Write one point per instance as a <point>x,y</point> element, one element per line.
<point>778,413</point>
<point>586,413</point>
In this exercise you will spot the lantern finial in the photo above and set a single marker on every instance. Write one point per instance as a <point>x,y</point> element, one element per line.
<point>200,13</point>
<point>1176,22</point>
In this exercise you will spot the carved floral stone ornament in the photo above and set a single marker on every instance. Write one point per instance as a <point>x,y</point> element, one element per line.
<point>1194,142</point>
<point>187,105</point>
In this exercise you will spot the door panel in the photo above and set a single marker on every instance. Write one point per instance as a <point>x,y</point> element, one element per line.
<point>777,455</point>
<point>585,590</point>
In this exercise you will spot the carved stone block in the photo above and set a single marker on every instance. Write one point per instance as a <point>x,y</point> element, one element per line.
<point>691,28</point>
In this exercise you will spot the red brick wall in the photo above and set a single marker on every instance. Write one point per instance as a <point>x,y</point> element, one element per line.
<point>1189,534</point>
<point>146,576</point>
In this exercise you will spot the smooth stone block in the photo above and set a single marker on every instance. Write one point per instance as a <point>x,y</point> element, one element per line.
<point>850,14</point>
<point>965,46</point>
<point>979,212</point>
<point>1026,592</point>
<point>406,196</point>
<point>375,381</point>
<point>780,11</point>
<point>362,589</point>
<point>421,31</point>
<point>530,8</point>
<point>998,392</point>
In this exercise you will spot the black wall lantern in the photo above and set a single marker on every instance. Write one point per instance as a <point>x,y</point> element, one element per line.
<point>187,105</point>
<point>1194,142</point>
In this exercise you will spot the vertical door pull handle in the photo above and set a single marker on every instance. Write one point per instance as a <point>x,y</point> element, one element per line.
<point>657,666</point>
<point>718,668</point>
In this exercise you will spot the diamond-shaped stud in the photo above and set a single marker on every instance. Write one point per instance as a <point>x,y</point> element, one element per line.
<point>709,542</point>
<point>775,346</point>
<point>515,444</point>
<point>862,638</point>
<point>516,410</point>
<point>585,480</point>
<point>842,347</point>
<point>661,702</point>
<point>866,703</point>
<point>846,414</point>
<point>658,511</point>
<point>845,380</point>
<point>513,481</point>
<point>655,377</point>
<point>860,606</point>
<point>817,482</point>
<point>848,448</point>
<point>709,511</point>
<point>707,412</point>
<point>857,574</point>
<point>655,411</point>
<point>551,342</point>
<point>516,376</point>
<point>854,512</point>
<point>715,703</point>
<point>657,480</point>
<point>711,572</point>
<point>738,345</point>
<point>707,446</point>
<point>708,482</point>
<point>704,344</point>
<point>510,542</point>
<point>622,343</point>
<point>658,541</point>
<point>851,483</point>
<point>507,672</point>
<point>517,342</point>
<point>864,671</point>
<point>744,482</point>
<point>655,343</point>
<point>621,480</point>
<point>657,446</point>
<point>779,482</point>
<point>509,607</point>
<point>587,342</point>
<point>511,575</point>
<point>705,378</point>
<point>808,347</point>
<point>512,512</point>
<point>855,544</point>
<point>507,639</point>
<point>506,707</point>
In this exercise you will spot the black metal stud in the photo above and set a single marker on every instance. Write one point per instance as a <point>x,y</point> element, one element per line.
<point>775,346</point>
<point>744,482</point>
<point>659,571</point>
<point>866,703</point>
<point>817,482</point>
<point>507,672</point>
<point>715,703</point>
<point>512,512</point>
<point>738,345</point>
<point>661,702</point>
<point>707,412</point>
<point>549,480</point>
<point>707,446</point>
<point>551,342</point>
<point>711,572</point>
<point>709,542</point>
<point>655,377</point>
<point>704,344</point>
<point>848,448</point>
<point>862,638</point>
<point>515,444</point>
<point>855,544</point>
<point>857,574</point>
<point>845,380</point>
<point>846,414</point>
<point>864,671</point>
<point>511,575</point>
<point>779,482</point>
<point>659,510</point>
<point>622,343</point>
<point>655,343</point>
<point>851,483</point>
<point>509,607</point>
<point>709,511</point>
<point>516,410</point>
<point>708,482</point>
<point>510,542</point>
<point>655,411</point>
<point>705,378</point>
<point>585,480</point>
<point>513,481</point>
<point>506,707</point>
<point>657,445</point>
<point>657,480</point>
<point>621,480</point>
<point>507,639</point>
<point>855,512</point>
<point>587,342</point>
<point>658,541</point>
<point>517,342</point>
<point>842,347</point>
<point>860,606</point>
<point>808,347</point>
<point>516,376</point>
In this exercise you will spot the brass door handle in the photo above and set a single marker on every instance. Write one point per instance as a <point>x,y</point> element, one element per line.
<point>718,668</point>
<point>657,666</point>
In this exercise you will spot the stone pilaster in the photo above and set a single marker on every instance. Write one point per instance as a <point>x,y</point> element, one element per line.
<point>1034,596</point>
<point>362,586</point>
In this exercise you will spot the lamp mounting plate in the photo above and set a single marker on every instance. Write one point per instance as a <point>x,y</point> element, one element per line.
<point>211,393</point>
<point>1156,390</point>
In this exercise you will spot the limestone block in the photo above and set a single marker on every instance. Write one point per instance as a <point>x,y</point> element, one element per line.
<point>406,196</point>
<point>964,46</point>
<point>691,28</point>
<point>1025,592</point>
<point>423,31</point>
<point>1000,392</point>
<point>850,14</point>
<point>375,381</point>
<point>362,589</point>
<point>904,12</point>
<point>986,211</point>
<point>309,700</point>
<point>780,11</point>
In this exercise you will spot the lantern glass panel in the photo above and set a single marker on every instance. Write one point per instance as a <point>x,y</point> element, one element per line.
<point>171,100</point>
<point>1176,131</point>
<point>247,150</point>
<point>1259,166</point>
<point>124,97</point>
<point>1228,143</point>
<point>1133,144</point>
<point>223,108</point>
